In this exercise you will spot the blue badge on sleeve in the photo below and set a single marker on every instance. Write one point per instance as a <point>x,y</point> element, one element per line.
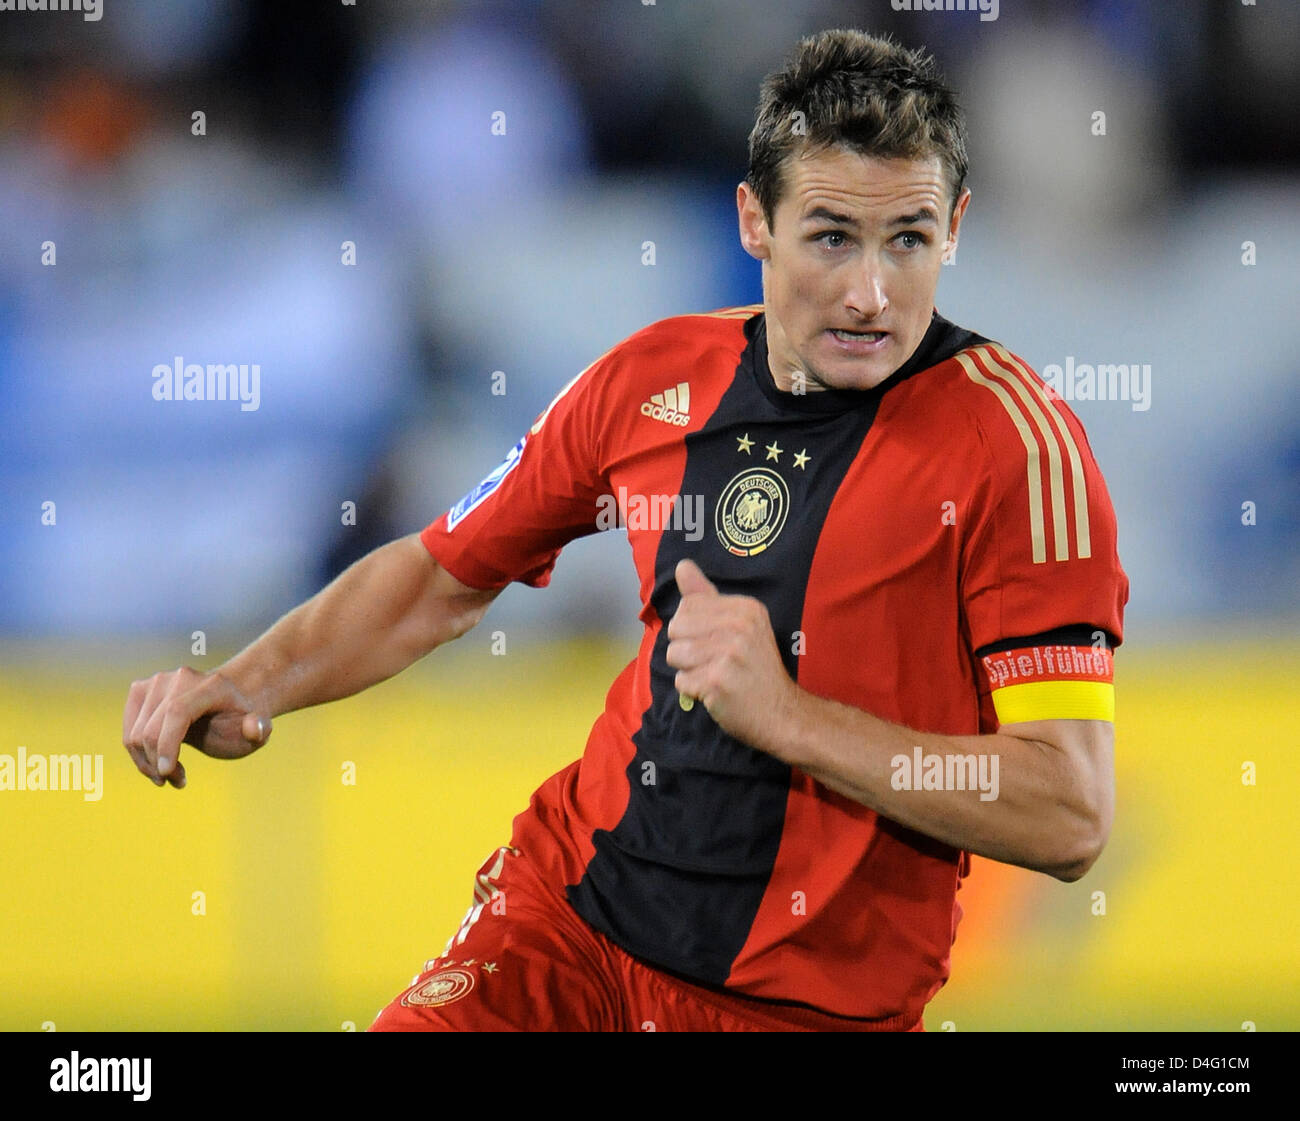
<point>475,497</point>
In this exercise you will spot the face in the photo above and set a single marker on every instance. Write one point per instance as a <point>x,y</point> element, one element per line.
<point>850,274</point>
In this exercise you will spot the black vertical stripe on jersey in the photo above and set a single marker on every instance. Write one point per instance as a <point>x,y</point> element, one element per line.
<point>678,881</point>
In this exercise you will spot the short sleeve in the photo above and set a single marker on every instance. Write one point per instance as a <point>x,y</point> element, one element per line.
<point>1042,588</point>
<point>514,523</point>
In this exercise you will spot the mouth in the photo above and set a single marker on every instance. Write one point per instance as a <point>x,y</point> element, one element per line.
<point>859,340</point>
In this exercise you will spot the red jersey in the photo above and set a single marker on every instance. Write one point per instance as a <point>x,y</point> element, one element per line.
<point>938,551</point>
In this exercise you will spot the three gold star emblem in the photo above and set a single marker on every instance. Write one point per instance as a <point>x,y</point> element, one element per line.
<point>774,451</point>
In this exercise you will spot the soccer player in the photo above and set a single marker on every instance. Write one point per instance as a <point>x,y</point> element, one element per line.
<point>891,648</point>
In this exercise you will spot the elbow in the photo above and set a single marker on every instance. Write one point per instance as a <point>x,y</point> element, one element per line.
<point>450,621</point>
<point>1070,872</point>
<point>446,608</point>
<point>1089,836</point>
<point>1082,826</point>
<point>463,619</point>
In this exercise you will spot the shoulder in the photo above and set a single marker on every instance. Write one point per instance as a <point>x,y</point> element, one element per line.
<point>1017,418</point>
<point>667,354</point>
<point>1033,461</point>
<point>687,339</point>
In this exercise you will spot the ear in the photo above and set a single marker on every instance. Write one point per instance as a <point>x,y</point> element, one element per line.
<point>958,210</point>
<point>754,234</point>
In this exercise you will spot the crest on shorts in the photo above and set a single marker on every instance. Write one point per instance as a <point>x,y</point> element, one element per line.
<point>444,987</point>
<point>752,511</point>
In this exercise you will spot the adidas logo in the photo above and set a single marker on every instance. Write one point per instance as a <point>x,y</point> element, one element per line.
<point>672,406</point>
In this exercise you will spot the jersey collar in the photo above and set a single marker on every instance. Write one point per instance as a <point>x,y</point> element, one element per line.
<point>941,341</point>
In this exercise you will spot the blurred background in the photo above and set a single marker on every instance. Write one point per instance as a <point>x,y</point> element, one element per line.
<point>397,209</point>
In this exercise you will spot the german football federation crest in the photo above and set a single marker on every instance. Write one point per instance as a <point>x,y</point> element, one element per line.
<point>752,511</point>
<point>444,987</point>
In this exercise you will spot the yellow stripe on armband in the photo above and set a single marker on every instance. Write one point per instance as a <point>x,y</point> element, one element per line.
<point>1055,700</point>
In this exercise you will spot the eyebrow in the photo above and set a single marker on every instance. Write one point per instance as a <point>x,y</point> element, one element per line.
<point>829,215</point>
<point>925,214</point>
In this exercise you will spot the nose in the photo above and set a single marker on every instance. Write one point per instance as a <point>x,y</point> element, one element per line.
<point>866,297</point>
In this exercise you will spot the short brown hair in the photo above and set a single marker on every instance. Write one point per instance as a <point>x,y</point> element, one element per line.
<point>868,93</point>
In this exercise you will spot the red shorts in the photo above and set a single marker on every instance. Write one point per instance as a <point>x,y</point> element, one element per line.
<point>523,960</point>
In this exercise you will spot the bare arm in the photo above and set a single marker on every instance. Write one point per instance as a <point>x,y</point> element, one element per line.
<point>1050,804</point>
<point>1049,807</point>
<point>388,610</point>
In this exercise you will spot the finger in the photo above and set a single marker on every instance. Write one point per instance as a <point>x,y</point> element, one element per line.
<point>142,764</point>
<point>689,687</point>
<point>176,722</point>
<point>698,615</point>
<point>180,712</point>
<point>154,690</point>
<point>683,653</point>
<point>134,702</point>
<point>691,579</point>
<point>177,775</point>
<point>256,729</point>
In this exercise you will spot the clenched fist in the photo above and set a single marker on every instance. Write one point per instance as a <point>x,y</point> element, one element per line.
<point>725,654</point>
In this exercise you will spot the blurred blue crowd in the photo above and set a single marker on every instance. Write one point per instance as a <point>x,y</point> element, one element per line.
<point>416,221</point>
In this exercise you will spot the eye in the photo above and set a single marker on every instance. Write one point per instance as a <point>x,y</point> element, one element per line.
<point>822,237</point>
<point>915,240</point>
